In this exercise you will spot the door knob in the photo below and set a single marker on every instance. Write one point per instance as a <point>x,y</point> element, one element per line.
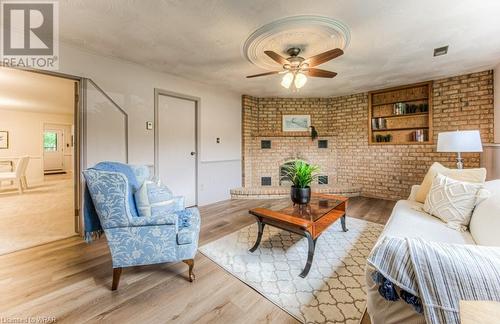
<point>193,153</point>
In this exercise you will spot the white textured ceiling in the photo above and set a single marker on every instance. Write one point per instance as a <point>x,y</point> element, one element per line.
<point>35,92</point>
<point>392,41</point>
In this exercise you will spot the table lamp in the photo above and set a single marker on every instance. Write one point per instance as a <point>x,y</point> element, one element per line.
<point>459,142</point>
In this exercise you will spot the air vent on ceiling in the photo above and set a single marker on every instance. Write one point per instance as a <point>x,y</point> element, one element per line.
<point>441,51</point>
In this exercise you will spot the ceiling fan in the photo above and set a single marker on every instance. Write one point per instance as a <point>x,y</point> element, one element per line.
<point>297,68</point>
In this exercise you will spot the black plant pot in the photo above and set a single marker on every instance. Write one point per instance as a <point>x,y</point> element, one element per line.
<point>300,196</point>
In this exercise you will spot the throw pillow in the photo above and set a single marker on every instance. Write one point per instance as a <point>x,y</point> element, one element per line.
<point>153,199</point>
<point>452,201</point>
<point>468,175</point>
<point>485,220</point>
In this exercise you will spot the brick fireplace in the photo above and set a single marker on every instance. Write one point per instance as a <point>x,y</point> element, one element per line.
<point>342,151</point>
<point>282,150</point>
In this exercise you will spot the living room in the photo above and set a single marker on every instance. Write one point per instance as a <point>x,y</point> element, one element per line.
<point>259,162</point>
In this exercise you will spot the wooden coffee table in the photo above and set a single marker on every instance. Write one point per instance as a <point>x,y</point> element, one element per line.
<point>308,220</point>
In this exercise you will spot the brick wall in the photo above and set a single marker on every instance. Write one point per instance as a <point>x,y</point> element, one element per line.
<point>270,111</point>
<point>249,129</point>
<point>385,171</point>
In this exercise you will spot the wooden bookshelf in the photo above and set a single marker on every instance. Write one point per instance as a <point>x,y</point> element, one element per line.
<point>400,114</point>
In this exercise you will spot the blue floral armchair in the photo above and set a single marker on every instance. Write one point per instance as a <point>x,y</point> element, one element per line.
<point>135,240</point>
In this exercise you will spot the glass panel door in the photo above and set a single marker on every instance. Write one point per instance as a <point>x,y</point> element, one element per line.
<point>53,155</point>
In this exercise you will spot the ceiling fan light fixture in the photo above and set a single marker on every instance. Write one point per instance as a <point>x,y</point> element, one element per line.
<point>287,80</point>
<point>300,80</point>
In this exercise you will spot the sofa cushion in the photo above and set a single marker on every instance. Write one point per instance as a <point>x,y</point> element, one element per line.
<point>452,201</point>
<point>409,220</point>
<point>485,220</point>
<point>469,175</point>
<point>152,199</point>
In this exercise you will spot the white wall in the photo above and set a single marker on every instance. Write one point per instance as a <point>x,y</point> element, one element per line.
<point>106,131</point>
<point>496,101</point>
<point>25,137</point>
<point>132,87</point>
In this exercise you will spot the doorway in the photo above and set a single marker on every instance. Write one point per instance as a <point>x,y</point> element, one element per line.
<point>57,148</point>
<point>40,113</point>
<point>176,154</point>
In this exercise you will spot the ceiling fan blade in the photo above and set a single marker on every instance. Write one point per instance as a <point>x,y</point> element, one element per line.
<point>263,74</point>
<point>276,57</point>
<point>312,72</point>
<point>324,57</point>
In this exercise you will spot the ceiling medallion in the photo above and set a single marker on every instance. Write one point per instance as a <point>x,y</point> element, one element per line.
<point>311,34</point>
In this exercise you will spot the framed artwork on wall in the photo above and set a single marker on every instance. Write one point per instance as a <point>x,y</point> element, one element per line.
<point>4,140</point>
<point>296,123</point>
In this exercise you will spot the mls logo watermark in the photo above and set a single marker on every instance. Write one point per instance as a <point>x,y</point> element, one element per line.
<point>30,34</point>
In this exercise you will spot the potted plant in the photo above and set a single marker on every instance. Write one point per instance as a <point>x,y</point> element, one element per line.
<point>301,174</point>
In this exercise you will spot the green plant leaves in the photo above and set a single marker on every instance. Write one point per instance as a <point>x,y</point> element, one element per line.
<point>300,173</point>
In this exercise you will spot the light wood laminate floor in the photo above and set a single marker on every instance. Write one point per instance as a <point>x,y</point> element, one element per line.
<point>70,280</point>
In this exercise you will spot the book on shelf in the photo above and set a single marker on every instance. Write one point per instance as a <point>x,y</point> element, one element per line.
<point>379,123</point>
<point>420,135</point>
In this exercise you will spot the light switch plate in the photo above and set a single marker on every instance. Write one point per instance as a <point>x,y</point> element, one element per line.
<point>149,125</point>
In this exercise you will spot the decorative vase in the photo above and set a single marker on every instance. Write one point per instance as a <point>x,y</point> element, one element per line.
<point>300,196</point>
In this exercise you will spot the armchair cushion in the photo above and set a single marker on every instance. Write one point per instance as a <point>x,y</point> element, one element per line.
<point>153,199</point>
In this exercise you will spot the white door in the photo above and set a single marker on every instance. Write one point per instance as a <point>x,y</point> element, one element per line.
<point>177,146</point>
<point>53,149</point>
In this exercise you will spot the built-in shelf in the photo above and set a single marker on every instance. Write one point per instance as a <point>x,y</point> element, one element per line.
<point>406,143</point>
<point>403,101</point>
<point>399,129</point>
<point>390,124</point>
<point>404,115</point>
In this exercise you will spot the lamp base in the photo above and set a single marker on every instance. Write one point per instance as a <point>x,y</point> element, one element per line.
<point>460,161</point>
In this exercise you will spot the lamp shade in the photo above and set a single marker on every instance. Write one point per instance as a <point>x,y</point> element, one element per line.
<point>459,141</point>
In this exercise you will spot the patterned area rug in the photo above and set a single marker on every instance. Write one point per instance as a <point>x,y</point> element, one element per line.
<point>333,291</point>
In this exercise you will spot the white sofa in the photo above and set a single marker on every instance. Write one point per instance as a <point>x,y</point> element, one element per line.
<point>408,220</point>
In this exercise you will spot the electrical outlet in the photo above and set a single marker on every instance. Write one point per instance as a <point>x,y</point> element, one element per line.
<point>149,125</point>
<point>217,140</point>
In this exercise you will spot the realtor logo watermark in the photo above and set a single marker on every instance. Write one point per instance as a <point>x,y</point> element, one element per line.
<point>30,34</point>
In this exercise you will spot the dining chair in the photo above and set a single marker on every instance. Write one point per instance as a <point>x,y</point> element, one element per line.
<point>18,176</point>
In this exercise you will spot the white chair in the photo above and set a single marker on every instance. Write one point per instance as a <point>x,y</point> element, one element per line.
<point>19,175</point>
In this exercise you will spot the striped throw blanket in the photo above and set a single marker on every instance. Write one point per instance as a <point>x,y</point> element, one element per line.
<point>434,276</point>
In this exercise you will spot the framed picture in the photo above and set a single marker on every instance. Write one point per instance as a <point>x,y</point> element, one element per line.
<point>4,140</point>
<point>296,123</point>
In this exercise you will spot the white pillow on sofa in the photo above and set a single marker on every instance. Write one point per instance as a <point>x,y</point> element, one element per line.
<point>485,221</point>
<point>452,201</point>
<point>470,175</point>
